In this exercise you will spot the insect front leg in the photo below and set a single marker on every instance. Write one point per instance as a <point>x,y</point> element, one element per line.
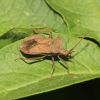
<point>65,65</point>
<point>53,67</point>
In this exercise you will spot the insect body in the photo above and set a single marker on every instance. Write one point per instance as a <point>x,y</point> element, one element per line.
<point>40,45</point>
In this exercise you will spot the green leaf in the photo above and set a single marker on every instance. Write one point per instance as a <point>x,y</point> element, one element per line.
<point>19,79</point>
<point>19,17</point>
<point>79,16</point>
<point>14,35</point>
<point>28,14</point>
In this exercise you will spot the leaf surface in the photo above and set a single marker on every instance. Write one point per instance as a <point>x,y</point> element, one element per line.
<point>19,79</point>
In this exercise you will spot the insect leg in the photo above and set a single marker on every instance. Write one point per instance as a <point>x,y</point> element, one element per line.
<point>33,60</point>
<point>53,67</point>
<point>24,59</point>
<point>65,65</point>
<point>43,30</point>
<point>50,34</point>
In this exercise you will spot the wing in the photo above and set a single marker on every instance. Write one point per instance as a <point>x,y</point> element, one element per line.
<point>40,49</point>
<point>33,44</point>
<point>58,43</point>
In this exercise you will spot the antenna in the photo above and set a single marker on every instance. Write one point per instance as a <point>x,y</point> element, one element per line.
<point>77,43</point>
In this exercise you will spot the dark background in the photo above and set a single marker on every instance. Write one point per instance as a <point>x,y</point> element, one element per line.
<point>83,91</point>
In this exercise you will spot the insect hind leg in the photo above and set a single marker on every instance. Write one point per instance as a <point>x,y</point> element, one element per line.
<point>43,30</point>
<point>31,60</point>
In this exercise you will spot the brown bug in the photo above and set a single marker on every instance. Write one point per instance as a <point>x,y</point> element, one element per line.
<point>42,46</point>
